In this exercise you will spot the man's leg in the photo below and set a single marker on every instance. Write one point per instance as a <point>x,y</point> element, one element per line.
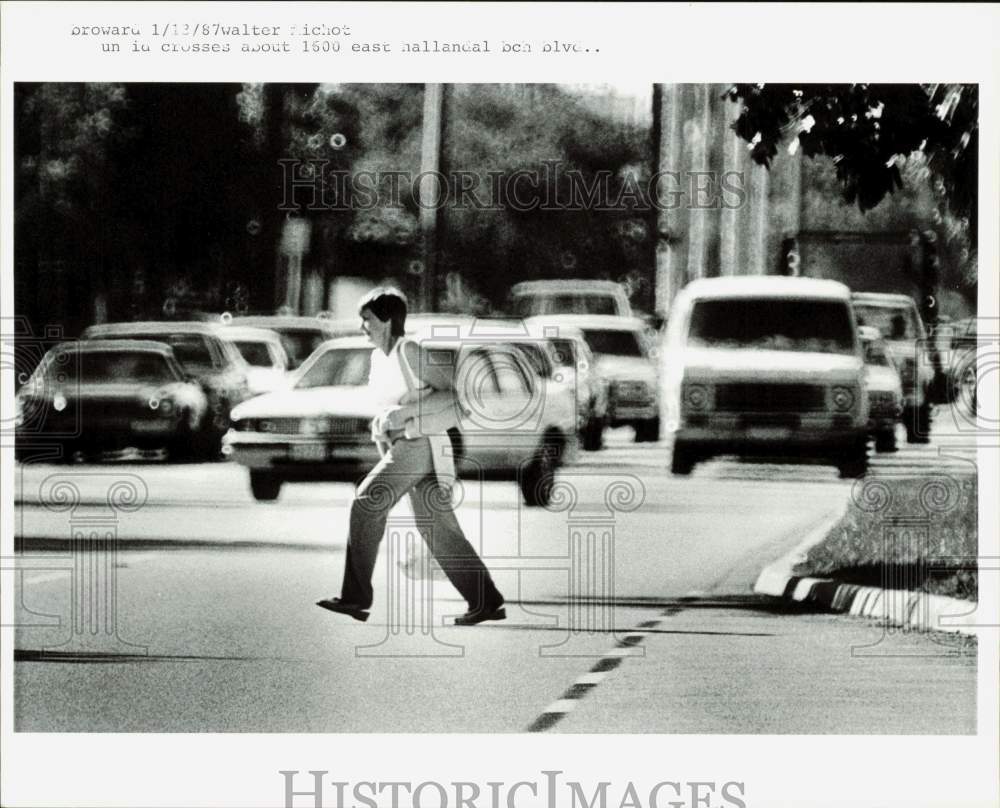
<point>447,543</point>
<point>396,473</point>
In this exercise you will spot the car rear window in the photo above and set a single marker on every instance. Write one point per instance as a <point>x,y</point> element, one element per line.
<point>817,326</point>
<point>338,367</point>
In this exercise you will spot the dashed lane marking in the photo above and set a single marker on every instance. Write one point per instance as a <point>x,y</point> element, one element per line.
<point>628,645</point>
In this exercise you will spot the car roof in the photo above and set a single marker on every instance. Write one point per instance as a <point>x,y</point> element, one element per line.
<point>887,300</point>
<point>609,322</point>
<point>154,327</point>
<point>248,332</point>
<point>292,321</point>
<point>359,341</point>
<point>581,285</point>
<point>114,345</point>
<point>775,286</point>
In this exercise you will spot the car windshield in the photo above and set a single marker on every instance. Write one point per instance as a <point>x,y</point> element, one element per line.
<point>254,353</point>
<point>815,326</point>
<point>569,303</point>
<point>614,342</point>
<point>894,323</point>
<point>338,367</point>
<point>300,342</point>
<point>94,367</point>
<point>876,354</point>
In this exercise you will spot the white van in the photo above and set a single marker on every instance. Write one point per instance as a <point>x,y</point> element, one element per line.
<point>764,365</point>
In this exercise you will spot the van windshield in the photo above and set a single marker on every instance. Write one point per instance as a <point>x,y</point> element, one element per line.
<point>815,326</point>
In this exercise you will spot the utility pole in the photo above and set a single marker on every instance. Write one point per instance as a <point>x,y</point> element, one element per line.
<point>653,217</point>
<point>431,191</point>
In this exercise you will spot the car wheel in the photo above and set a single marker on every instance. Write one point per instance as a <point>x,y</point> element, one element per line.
<point>538,477</point>
<point>647,431</point>
<point>593,434</point>
<point>265,485</point>
<point>682,459</point>
<point>457,444</point>
<point>885,440</point>
<point>917,421</point>
<point>852,462</point>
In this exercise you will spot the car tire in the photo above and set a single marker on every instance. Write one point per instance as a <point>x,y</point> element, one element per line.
<point>852,461</point>
<point>917,421</point>
<point>885,440</point>
<point>457,444</point>
<point>682,459</point>
<point>593,434</point>
<point>265,485</point>
<point>537,479</point>
<point>647,431</point>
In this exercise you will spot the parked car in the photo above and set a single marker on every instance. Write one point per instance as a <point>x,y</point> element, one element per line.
<point>262,350</point>
<point>577,367</point>
<point>624,354</point>
<point>885,389</point>
<point>898,320</point>
<point>300,336</point>
<point>89,396</point>
<point>579,296</point>
<point>319,428</point>
<point>765,366</point>
<point>205,356</point>
<point>961,367</point>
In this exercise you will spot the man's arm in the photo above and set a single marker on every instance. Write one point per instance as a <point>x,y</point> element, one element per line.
<point>433,409</point>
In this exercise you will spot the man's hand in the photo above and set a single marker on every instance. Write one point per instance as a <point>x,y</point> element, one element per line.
<point>394,419</point>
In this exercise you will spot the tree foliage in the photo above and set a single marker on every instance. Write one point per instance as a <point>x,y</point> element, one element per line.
<point>869,130</point>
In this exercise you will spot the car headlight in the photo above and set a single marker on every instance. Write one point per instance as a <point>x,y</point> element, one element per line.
<point>843,398</point>
<point>696,396</point>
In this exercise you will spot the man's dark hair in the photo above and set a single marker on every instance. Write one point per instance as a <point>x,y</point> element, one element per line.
<point>386,303</point>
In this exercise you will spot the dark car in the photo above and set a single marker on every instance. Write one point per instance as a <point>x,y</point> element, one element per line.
<point>212,361</point>
<point>96,395</point>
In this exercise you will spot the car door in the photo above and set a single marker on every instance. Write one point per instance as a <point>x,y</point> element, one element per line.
<point>502,404</point>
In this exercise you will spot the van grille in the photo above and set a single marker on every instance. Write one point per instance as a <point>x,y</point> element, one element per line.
<point>770,398</point>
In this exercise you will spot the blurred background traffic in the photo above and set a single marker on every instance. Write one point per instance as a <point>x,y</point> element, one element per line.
<point>588,258</point>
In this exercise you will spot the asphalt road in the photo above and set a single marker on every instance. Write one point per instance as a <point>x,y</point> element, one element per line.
<point>630,610</point>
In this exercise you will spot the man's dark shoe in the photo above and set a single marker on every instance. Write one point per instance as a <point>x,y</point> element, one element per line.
<point>342,607</point>
<point>474,616</point>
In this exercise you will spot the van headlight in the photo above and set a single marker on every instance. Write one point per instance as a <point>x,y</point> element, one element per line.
<point>843,398</point>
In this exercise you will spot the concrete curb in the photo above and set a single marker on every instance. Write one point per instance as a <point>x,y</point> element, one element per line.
<point>918,611</point>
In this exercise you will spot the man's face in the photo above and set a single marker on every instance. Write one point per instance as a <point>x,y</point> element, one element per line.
<point>377,331</point>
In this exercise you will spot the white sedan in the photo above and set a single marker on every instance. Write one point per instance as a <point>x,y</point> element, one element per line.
<point>319,428</point>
